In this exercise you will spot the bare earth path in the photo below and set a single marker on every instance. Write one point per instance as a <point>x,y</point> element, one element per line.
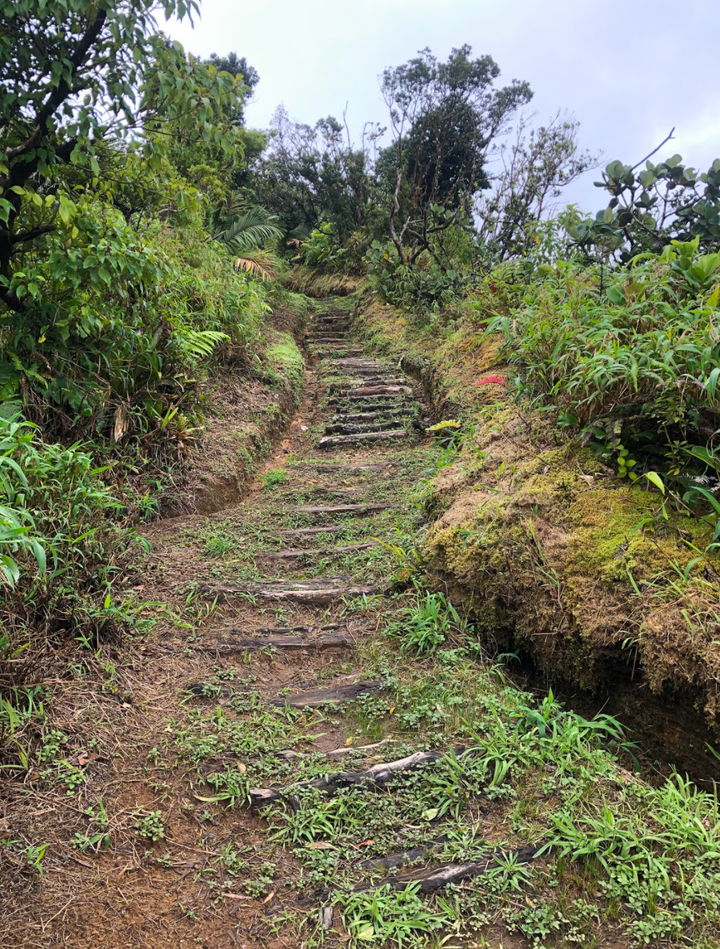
<point>263,673</point>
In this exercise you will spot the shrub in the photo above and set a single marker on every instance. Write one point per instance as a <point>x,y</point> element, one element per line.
<point>60,541</point>
<point>634,364</point>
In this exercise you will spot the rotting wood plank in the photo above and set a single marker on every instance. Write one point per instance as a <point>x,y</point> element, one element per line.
<point>335,696</point>
<point>359,428</point>
<point>284,641</point>
<point>436,878</point>
<point>317,552</point>
<point>309,531</point>
<point>336,441</point>
<point>338,752</point>
<point>375,776</point>
<point>320,593</point>
<point>371,416</point>
<point>367,400</point>
<point>340,467</point>
<point>341,509</point>
<point>398,389</point>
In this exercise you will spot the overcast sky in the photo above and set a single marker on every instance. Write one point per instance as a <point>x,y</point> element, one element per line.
<point>629,71</point>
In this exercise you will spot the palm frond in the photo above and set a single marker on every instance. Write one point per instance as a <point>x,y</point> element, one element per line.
<point>249,230</point>
<point>259,263</point>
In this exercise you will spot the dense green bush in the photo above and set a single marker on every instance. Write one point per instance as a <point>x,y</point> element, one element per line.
<point>61,543</point>
<point>120,323</point>
<point>632,361</point>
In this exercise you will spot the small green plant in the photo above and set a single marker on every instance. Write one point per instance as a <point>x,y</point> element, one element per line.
<point>272,479</point>
<point>150,826</point>
<point>425,626</point>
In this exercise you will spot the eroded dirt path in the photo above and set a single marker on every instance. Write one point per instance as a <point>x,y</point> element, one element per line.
<point>263,672</point>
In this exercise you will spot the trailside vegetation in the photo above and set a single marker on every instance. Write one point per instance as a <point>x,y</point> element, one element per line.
<point>146,235</point>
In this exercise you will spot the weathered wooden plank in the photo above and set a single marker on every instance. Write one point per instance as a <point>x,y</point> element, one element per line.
<point>335,441</point>
<point>375,776</point>
<point>342,509</point>
<point>318,553</point>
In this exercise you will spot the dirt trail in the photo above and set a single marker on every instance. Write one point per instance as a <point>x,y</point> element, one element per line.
<point>261,673</point>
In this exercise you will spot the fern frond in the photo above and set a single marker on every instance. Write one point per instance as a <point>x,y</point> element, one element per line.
<point>198,344</point>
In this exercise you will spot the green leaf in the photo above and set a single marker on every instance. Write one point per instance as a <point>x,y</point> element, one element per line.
<point>654,478</point>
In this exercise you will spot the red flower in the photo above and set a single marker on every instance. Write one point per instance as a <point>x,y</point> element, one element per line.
<point>489,380</point>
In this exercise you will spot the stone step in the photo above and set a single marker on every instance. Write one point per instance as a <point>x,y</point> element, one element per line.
<point>339,441</point>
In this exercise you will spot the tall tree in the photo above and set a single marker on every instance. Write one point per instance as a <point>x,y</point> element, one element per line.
<point>444,119</point>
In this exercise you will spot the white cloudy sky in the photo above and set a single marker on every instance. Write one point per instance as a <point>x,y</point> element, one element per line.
<point>628,70</point>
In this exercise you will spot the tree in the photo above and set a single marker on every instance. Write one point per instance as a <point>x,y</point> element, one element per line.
<point>534,170</point>
<point>236,66</point>
<point>313,173</point>
<point>80,75</point>
<point>444,118</point>
<point>649,208</point>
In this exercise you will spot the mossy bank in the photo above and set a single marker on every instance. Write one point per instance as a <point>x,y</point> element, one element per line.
<point>590,576</point>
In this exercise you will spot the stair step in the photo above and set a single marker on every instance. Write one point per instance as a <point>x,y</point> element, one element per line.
<point>341,509</point>
<point>349,468</point>
<point>373,415</point>
<point>359,428</point>
<point>318,553</point>
<point>310,531</point>
<point>367,403</point>
<point>336,441</point>
<point>337,695</point>
<point>285,641</point>
<point>343,385</point>
<point>311,592</point>
<point>395,389</point>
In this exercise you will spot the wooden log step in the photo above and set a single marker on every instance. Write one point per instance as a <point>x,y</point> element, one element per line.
<point>373,415</point>
<point>334,467</point>
<point>345,385</point>
<point>435,878</point>
<point>358,428</point>
<point>285,641</point>
<point>337,441</point>
<point>336,349</point>
<point>339,752</point>
<point>341,509</point>
<point>318,553</point>
<point>336,696</point>
<point>375,776</point>
<point>311,592</point>
<point>355,362</point>
<point>370,401</point>
<point>304,630</point>
<point>394,861</point>
<point>393,389</point>
<point>335,492</point>
<point>309,531</point>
